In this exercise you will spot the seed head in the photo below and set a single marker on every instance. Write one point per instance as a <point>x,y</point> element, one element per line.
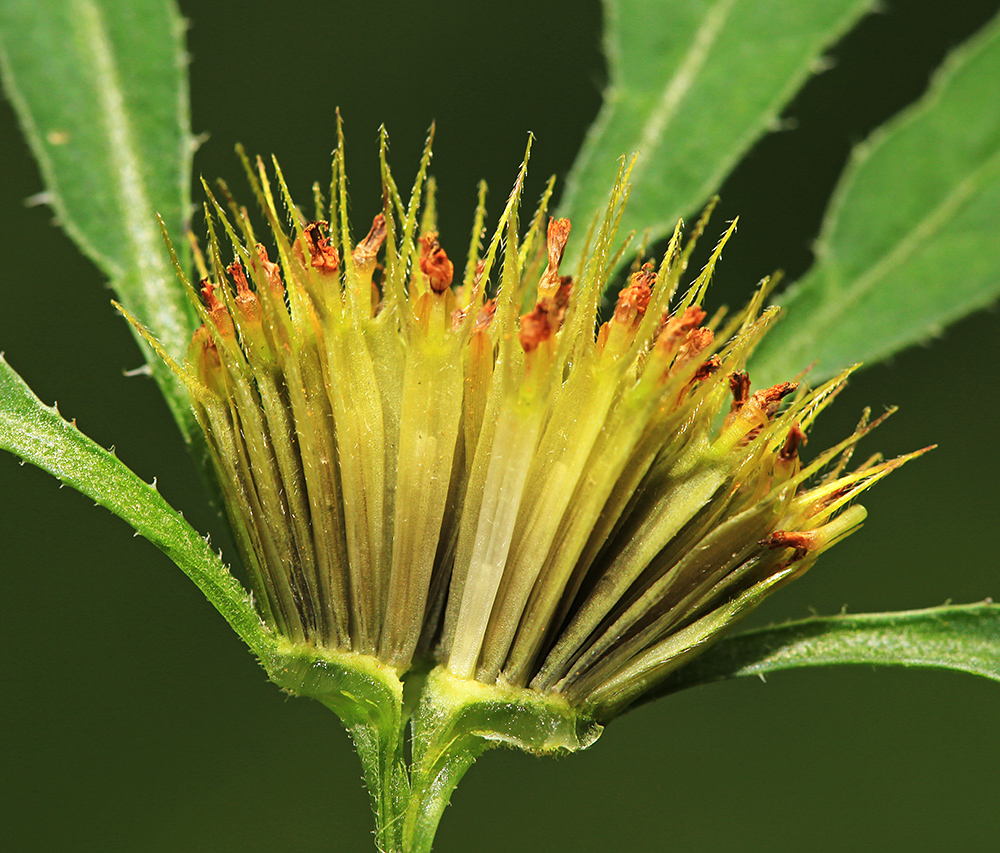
<point>425,465</point>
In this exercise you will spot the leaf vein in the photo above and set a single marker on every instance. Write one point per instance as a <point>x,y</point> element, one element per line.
<point>911,242</point>
<point>680,83</point>
<point>129,185</point>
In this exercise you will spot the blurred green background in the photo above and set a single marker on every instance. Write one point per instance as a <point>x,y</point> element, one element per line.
<point>133,719</point>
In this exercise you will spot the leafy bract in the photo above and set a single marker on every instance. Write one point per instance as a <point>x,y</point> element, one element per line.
<point>911,241</point>
<point>965,638</point>
<point>39,435</point>
<point>692,84</point>
<point>101,90</point>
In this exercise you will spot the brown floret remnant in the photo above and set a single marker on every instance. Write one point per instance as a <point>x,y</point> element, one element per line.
<point>323,255</point>
<point>366,251</point>
<point>536,327</point>
<point>272,272</point>
<point>555,243</point>
<point>434,263</point>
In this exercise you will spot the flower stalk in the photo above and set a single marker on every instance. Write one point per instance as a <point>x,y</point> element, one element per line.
<point>470,519</point>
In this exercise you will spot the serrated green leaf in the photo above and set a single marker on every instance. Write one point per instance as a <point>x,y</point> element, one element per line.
<point>39,435</point>
<point>959,637</point>
<point>692,84</point>
<point>100,88</point>
<point>910,242</point>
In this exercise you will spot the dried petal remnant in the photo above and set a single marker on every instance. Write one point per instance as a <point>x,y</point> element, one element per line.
<point>367,250</point>
<point>323,255</point>
<point>434,263</point>
<point>556,238</point>
<point>536,328</point>
<point>634,297</point>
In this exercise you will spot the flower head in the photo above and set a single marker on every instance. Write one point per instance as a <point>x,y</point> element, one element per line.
<point>434,458</point>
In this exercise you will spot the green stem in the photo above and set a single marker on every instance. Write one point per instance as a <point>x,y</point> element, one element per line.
<point>457,720</point>
<point>453,721</point>
<point>367,695</point>
<point>387,779</point>
<point>443,750</point>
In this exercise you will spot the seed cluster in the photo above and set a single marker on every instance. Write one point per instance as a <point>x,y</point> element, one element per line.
<point>422,466</point>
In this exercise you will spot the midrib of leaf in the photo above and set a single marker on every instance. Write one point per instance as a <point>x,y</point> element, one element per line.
<point>662,192</point>
<point>148,271</point>
<point>795,349</point>
<point>962,637</point>
<point>149,274</point>
<point>679,84</point>
<point>120,150</point>
<point>856,304</point>
<point>147,260</point>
